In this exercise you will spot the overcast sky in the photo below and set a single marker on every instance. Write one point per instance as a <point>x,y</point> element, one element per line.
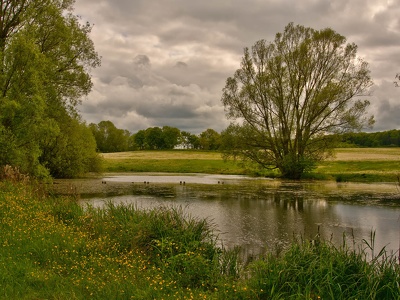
<point>166,62</point>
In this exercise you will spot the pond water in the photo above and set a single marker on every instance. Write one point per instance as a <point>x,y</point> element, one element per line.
<point>261,214</point>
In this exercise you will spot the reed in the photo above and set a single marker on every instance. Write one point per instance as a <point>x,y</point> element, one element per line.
<point>318,270</point>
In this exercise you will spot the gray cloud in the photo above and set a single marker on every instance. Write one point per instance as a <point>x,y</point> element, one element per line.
<point>166,62</point>
<point>385,106</point>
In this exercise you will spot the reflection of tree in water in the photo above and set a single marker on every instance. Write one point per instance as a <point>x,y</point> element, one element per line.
<point>289,201</point>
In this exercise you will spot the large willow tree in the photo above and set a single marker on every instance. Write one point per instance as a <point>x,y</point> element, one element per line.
<point>45,58</point>
<point>291,95</point>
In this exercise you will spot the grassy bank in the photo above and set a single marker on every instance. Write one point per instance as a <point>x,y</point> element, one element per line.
<point>51,248</point>
<point>349,164</point>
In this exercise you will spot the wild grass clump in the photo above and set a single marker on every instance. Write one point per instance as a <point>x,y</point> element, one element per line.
<point>53,248</point>
<point>319,270</point>
<point>176,244</point>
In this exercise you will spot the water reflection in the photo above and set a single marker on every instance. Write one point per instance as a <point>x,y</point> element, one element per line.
<point>260,215</point>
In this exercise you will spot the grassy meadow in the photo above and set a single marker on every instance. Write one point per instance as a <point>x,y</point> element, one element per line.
<point>174,161</point>
<point>348,164</point>
<point>52,248</point>
<point>362,164</point>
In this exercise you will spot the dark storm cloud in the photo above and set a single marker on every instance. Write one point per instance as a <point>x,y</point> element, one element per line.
<point>166,62</point>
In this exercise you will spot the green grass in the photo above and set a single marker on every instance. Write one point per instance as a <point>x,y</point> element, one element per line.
<point>177,161</point>
<point>350,164</point>
<point>361,171</point>
<point>52,248</point>
<point>174,166</point>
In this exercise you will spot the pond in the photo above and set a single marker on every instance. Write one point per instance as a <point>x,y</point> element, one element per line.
<point>261,214</point>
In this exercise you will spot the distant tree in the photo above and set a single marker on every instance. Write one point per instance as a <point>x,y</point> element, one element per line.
<point>394,137</point>
<point>290,95</point>
<point>194,140</point>
<point>388,138</point>
<point>132,146</point>
<point>210,140</point>
<point>154,138</point>
<point>189,140</point>
<point>184,140</point>
<point>231,139</point>
<point>171,136</point>
<point>109,138</point>
<point>397,79</point>
<point>140,139</point>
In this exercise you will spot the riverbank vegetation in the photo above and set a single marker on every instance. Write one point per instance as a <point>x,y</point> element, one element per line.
<point>348,164</point>
<point>46,56</point>
<point>52,248</point>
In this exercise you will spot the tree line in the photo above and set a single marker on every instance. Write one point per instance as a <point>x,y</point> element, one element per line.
<point>390,138</point>
<point>109,138</point>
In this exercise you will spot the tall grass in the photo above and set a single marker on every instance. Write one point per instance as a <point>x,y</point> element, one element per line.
<point>52,248</point>
<point>319,270</point>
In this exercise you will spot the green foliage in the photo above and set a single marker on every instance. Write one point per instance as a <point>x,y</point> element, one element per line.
<point>184,246</point>
<point>45,57</point>
<point>154,138</point>
<point>171,136</point>
<point>71,152</point>
<point>390,138</point>
<point>291,95</point>
<point>210,140</point>
<point>165,138</point>
<point>189,141</point>
<point>109,138</point>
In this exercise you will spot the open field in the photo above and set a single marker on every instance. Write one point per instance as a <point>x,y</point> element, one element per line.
<point>362,164</point>
<point>161,155</point>
<point>367,154</point>
<point>348,164</point>
<point>174,161</point>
